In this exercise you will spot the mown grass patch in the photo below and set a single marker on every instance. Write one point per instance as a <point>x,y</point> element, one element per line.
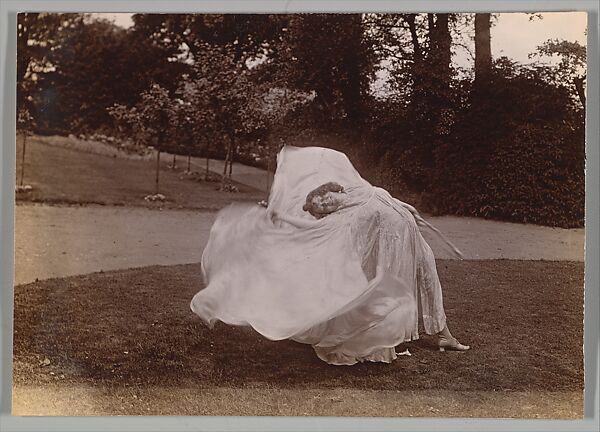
<point>523,319</point>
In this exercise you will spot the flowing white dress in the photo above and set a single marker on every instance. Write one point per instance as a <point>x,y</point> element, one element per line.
<point>351,284</point>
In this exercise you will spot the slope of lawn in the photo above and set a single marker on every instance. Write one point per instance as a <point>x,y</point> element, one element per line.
<point>63,175</point>
<point>134,330</point>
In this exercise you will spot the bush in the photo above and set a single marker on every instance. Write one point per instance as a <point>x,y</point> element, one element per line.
<point>517,153</point>
<point>532,178</point>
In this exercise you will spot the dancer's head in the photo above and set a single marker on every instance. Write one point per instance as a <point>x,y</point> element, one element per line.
<point>324,200</point>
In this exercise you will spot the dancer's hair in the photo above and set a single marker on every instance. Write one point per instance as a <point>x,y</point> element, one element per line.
<point>321,190</point>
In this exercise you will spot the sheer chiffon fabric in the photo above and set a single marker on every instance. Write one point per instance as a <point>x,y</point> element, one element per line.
<point>352,284</point>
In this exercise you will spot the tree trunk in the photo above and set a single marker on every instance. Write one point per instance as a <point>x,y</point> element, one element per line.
<point>23,159</point>
<point>207,158</point>
<point>442,44</point>
<point>430,21</point>
<point>232,150</point>
<point>483,49</point>
<point>580,90</point>
<point>157,170</point>
<point>417,52</point>
<point>174,161</point>
<point>225,169</point>
<point>268,168</point>
<point>417,65</point>
<point>189,169</point>
<point>355,86</point>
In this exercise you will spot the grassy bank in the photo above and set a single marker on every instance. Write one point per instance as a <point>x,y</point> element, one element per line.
<point>67,175</point>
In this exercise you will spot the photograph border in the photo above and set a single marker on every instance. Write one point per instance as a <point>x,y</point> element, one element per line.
<point>8,11</point>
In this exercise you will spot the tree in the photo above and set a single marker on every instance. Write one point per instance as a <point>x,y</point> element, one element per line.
<point>151,117</point>
<point>97,65</point>
<point>182,130</point>
<point>71,67</point>
<point>571,70</point>
<point>155,108</point>
<point>38,34</point>
<point>329,54</point>
<point>224,92</point>
<point>196,100</point>
<point>25,126</point>
<point>416,50</point>
<point>273,104</point>
<point>185,36</point>
<point>233,103</point>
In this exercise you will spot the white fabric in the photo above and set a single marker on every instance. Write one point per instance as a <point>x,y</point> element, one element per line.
<point>349,285</point>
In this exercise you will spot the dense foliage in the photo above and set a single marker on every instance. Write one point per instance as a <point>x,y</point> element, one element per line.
<point>503,141</point>
<point>526,165</point>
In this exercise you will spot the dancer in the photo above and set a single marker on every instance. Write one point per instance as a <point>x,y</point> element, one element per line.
<point>332,261</point>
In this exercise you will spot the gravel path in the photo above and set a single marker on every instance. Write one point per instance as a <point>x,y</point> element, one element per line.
<point>57,241</point>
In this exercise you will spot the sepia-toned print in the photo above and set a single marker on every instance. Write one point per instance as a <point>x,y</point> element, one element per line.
<point>374,214</point>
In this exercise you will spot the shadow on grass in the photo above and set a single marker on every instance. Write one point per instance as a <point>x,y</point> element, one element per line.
<point>524,321</point>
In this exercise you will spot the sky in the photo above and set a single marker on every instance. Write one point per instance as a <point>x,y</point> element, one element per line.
<point>513,34</point>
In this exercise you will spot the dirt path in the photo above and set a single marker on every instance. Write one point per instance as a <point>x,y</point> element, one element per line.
<point>486,239</point>
<point>55,241</point>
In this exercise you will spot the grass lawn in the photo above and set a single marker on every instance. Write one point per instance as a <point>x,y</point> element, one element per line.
<point>63,175</point>
<point>128,340</point>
